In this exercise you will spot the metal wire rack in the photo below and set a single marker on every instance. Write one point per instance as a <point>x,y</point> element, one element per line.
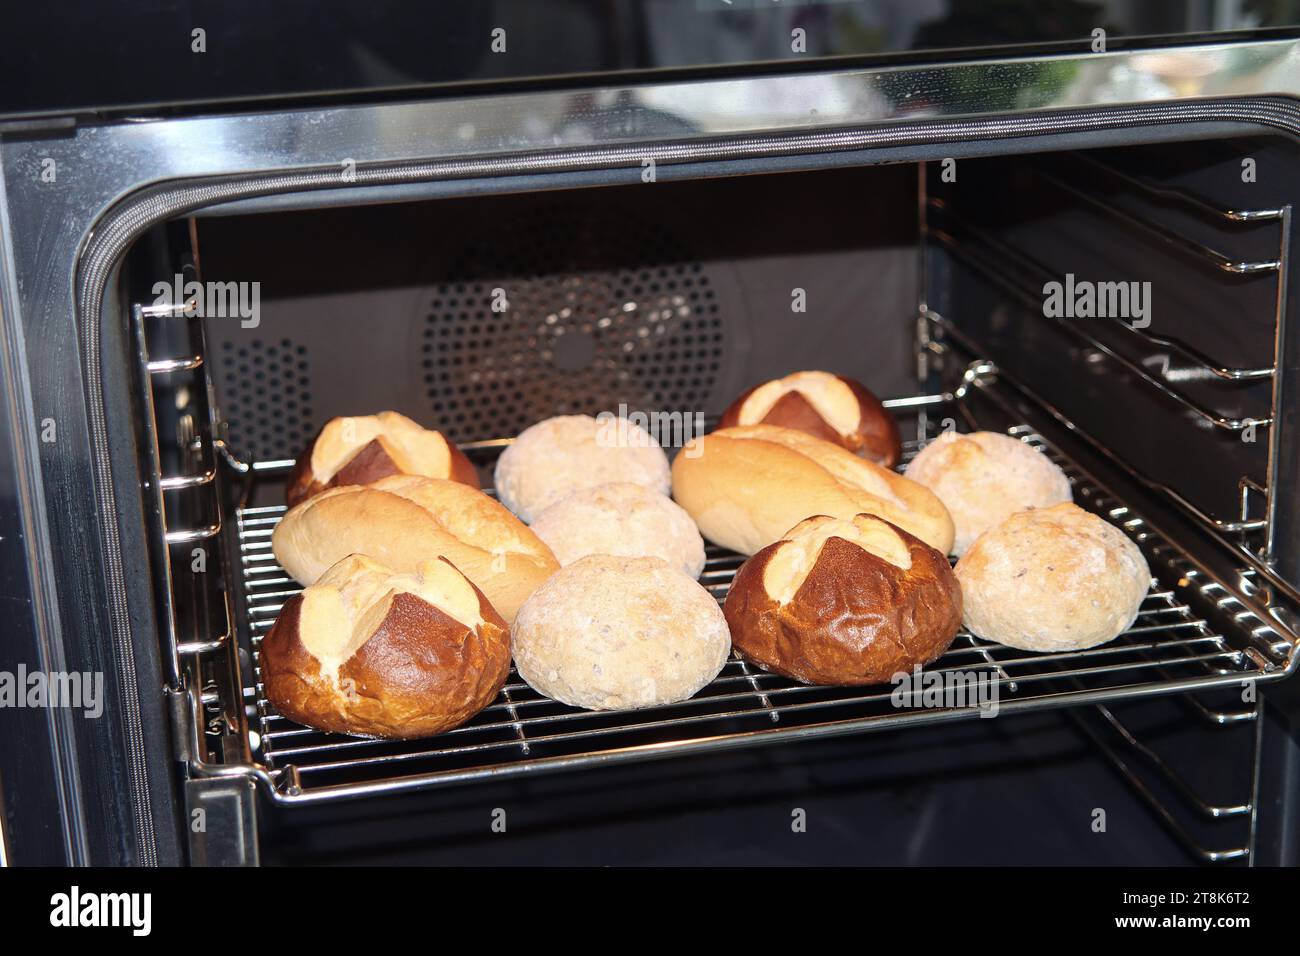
<point>1168,648</point>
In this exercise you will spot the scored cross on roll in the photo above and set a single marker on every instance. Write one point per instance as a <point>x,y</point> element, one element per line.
<point>363,449</point>
<point>367,650</point>
<point>844,601</point>
<point>747,486</point>
<point>838,409</point>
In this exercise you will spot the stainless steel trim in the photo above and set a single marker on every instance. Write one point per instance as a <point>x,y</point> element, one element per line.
<point>162,366</point>
<point>120,159</point>
<point>1280,395</point>
<point>164,580</point>
<point>650,113</point>
<point>189,535</point>
<point>1198,802</point>
<point>1153,802</point>
<point>181,482</point>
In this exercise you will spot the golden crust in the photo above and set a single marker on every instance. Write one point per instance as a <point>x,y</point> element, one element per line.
<point>875,435</point>
<point>404,520</point>
<point>419,672</point>
<point>857,618</point>
<point>747,486</point>
<point>367,460</point>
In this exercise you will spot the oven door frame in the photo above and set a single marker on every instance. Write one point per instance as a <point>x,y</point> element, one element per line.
<point>115,804</point>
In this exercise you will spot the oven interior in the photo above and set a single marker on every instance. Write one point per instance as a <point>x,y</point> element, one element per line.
<point>924,280</point>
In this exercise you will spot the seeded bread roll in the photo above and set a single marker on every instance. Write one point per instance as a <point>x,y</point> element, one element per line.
<point>1052,579</point>
<point>624,520</point>
<point>368,651</point>
<point>747,486</point>
<point>611,633</point>
<point>556,457</point>
<point>404,521</point>
<point>831,407</point>
<point>844,602</point>
<point>358,451</point>
<point>985,477</point>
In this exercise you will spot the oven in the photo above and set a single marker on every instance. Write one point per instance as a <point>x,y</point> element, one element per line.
<point>650,240</point>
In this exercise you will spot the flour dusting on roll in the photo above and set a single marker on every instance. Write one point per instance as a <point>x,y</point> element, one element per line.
<point>985,477</point>
<point>1052,579</point>
<point>625,520</point>
<point>556,457</point>
<point>608,633</point>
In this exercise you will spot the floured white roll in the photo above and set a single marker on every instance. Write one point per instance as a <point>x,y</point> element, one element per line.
<point>625,520</point>
<point>611,633</point>
<point>1052,579</point>
<point>985,477</point>
<point>556,457</point>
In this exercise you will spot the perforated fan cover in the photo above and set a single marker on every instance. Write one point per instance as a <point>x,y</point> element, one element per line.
<point>534,330</point>
<point>265,387</point>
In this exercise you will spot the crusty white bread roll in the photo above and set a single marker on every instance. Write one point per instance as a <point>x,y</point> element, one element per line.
<point>404,521</point>
<point>361,450</point>
<point>556,457</point>
<point>1052,579</point>
<point>985,477</point>
<point>838,409</point>
<point>625,520</point>
<point>844,601</point>
<point>611,633</point>
<point>747,486</point>
<point>366,650</point>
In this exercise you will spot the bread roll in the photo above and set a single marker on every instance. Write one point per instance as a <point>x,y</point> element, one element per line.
<point>984,477</point>
<point>1052,579</point>
<point>624,520</point>
<point>747,486</point>
<point>404,521</point>
<point>358,451</point>
<point>556,457</point>
<point>368,651</point>
<point>841,601</point>
<point>611,633</point>
<point>838,409</point>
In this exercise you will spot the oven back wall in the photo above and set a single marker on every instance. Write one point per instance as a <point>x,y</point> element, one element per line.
<point>483,315</point>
